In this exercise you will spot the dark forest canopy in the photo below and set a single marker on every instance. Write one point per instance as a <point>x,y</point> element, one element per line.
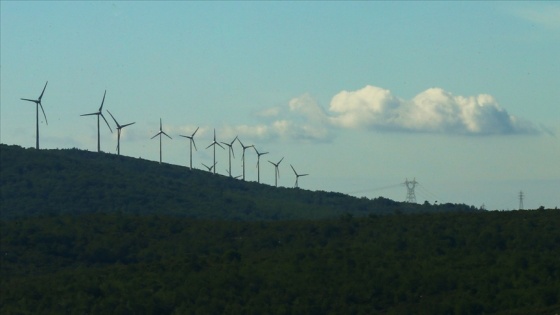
<point>432,263</point>
<point>74,181</point>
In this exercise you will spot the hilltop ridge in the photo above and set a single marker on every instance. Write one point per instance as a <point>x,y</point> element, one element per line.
<point>72,181</point>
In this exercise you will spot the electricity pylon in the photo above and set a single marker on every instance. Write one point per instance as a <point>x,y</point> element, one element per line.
<point>410,195</point>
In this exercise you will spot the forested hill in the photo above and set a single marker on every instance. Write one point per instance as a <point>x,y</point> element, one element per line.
<point>74,181</point>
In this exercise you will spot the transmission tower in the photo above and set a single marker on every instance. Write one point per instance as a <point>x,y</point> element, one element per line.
<point>410,195</point>
<point>521,200</point>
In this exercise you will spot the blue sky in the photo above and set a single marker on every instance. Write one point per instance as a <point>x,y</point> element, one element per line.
<point>462,96</point>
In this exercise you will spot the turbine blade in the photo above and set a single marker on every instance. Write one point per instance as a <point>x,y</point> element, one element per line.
<point>194,144</point>
<point>41,96</point>
<point>40,105</point>
<point>157,134</point>
<point>160,124</point>
<point>209,145</point>
<point>219,145</point>
<point>194,133</point>
<point>90,114</point>
<point>103,101</point>
<point>116,123</point>
<point>293,169</point>
<point>128,125</point>
<point>166,135</point>
<point>106,122</point>
<point>26,99</point>
<point>280,161</point>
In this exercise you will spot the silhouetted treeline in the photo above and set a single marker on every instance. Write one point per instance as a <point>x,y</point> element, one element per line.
<point>35,182</point>
<point>438,263</point>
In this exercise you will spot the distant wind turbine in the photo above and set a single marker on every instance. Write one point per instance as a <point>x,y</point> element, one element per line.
<point>258,163</point>
<point>191,138</point>
<point>229,173</point>
<point>297,176</point>
<point>214,143</point>
<point>119,129</point>
<point>276,171</point>
<point>161,132</point>
<point>100,113</point>
<point>210,167</point>
<point>38,104</point>
<point>243,157</point>
<point>230,145</point>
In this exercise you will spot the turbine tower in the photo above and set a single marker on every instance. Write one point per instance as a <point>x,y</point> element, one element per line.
<point>214,143</point>
<point>191,138</point>
<point>521,195</point>
<point>243,156</point>
<point>297,176</point>
<point>37,105</point>
<point>258,163</point>
<point>230,145</point>
<point>276,171</point>
<point>410,195</point>
<point>100,113</point>
<point>119,128</point>
<point>161,132</point>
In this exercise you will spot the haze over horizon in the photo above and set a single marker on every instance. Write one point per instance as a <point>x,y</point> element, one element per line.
<point>461,96</point>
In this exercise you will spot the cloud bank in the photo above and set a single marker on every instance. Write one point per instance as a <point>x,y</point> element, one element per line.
<point>432,111</point>
<point>373,108</point>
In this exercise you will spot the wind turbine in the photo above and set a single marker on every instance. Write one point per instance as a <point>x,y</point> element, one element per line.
<point>276,171</point>
<point>297,176</point>
<point>161,132</point>
<point>191,138</point>
<point>38,104</point>
<point>229,172</point>
<point>258,163</point>
<point>119,128</point>
<point>210,167</point>
<point>230,145</point>
<point>99,113</point>
<point>243,157</point>
<point>214,143</point>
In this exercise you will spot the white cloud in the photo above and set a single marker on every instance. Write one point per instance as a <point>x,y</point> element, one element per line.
<point>434,111</point>
<point>544,14</point>
<point>373,108</point>
<point>368,106</point>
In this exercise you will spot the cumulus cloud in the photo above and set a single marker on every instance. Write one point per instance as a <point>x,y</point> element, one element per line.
<point>373,108</point>
<point>432,111</point>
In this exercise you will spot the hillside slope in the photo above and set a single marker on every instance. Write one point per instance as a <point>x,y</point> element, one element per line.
<point>74,181</point>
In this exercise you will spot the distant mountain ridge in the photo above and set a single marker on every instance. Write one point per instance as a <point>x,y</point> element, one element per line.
<point>35,182</point>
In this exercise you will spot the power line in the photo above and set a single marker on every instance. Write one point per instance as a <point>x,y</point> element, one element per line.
<point>374,189</point>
